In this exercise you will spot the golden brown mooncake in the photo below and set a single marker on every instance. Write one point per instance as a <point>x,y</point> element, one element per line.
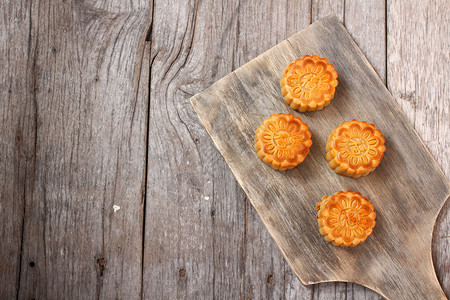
<point>345,218</point>
<point>309,83</point>
<point>282,141</point>
<point>354,149</point>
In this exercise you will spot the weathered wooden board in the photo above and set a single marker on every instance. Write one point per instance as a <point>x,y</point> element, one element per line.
<point>73,115</point>
<point>417,70</point>
<point>181,256</point>
<point>408,188</point>
<point>16,135</point>
<point>191,48</point>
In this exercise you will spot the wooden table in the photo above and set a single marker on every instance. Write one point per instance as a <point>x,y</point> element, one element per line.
<point>109,185</point>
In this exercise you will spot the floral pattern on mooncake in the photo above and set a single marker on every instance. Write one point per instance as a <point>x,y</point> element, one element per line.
<point>345,218</point>
<point>354,148</point>
<point>282,141</point>
<point>309,83</point>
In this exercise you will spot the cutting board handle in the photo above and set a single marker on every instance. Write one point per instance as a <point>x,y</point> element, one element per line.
<point>414,278</point>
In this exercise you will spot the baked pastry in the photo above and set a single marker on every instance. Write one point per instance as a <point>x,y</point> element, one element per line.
<point>309,83</point>
<point>345,218</point>
<point>282,141</point>
<point>354,149</point>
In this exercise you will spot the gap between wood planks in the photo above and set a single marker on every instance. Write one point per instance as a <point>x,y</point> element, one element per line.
<point>148,44</point>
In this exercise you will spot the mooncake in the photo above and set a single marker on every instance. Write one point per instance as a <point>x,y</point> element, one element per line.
<point>282,141</point>
<point>309,83</point>
<point>345,218</point>
<point>354,149</point>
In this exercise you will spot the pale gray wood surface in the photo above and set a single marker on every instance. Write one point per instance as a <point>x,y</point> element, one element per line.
<point>16,136</point>
<point>74,120</point>
<point>74,64</point>
<point>418,43</point>
<point>194,229</point>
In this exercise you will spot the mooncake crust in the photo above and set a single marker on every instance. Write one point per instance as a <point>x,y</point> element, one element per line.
<point>345,218</point>
<point>282,141</point>
<point>309,83</point>
<point>355,148</point>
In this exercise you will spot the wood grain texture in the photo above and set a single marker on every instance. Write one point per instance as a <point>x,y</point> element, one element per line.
<point>73,119</point>
<point>16,137</point>
<point>323,8</point>
<point>233,107</point>
<point>264,272</point>
<point>73,130</point>
<point>366,23</point>
<point>194,231</point>
<point>418,65</point>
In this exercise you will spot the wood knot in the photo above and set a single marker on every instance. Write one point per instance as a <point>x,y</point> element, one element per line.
<point>32,264</point>
<point>101,264</point>
<point>181,272</point>
<point>270,278</point>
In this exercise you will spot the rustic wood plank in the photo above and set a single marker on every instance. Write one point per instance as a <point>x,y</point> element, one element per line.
<point>233,107</point>
<point>267,275</point>
<point>323,8</point>
<point>195,225</point>
<point>418,67</point>
<point>85,141</point>
<point>366,23</point>
<point>16,137</point>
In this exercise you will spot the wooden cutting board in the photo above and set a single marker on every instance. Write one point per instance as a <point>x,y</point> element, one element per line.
<point>408,189</point>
